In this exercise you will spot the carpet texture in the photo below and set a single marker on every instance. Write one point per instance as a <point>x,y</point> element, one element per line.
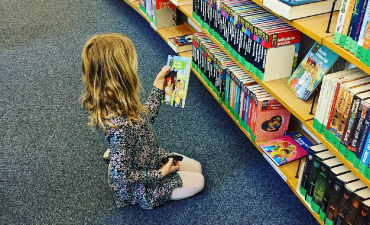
<point>51,166</point>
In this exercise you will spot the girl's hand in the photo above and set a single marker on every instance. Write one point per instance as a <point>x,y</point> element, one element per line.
<point>159,80</point>
<point>169,167</point>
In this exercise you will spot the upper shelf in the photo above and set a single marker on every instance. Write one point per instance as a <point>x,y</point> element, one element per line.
<point>277,88</point>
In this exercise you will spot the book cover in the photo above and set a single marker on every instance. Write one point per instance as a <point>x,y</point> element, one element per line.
<point>311,152</point>
<point>329,188</point>
<point>310,71</point>
<point>287,148</point>
<point>176,81</point>
<point>347,198</point>
<point>340,21</point>
<point>318,159</point>
<point>320,185</point>
<point>292,10</point>
<point>181,43</point>
<point>355,210</point>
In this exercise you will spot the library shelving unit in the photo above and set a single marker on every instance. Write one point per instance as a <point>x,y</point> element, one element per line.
<point>314,27</point>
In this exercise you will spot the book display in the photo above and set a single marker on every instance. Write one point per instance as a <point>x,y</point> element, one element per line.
<point>239,32</point>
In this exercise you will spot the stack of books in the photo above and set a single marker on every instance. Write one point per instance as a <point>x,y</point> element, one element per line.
<point>352,30</point>
<point>343,115</point>
<point>262,116</point>
<point>332,190</point>
<point>262,42</point>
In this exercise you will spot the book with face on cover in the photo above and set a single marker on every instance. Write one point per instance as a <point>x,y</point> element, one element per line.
<point>311,70</point>
<point>287,148</point>
<point>176,81</point>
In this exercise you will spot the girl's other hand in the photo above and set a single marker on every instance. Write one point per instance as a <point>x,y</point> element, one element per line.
<point>169,167</point>
<point>159,80</point>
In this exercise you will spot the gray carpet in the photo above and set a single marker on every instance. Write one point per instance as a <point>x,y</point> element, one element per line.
<point>51,166</point>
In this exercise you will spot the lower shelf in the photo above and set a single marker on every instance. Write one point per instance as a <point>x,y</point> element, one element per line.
<point>287,172</point>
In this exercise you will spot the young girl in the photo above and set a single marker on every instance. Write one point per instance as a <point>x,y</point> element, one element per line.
<point>111,97</point>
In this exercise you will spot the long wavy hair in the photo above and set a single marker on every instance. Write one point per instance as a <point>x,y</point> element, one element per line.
<point>112,86</point>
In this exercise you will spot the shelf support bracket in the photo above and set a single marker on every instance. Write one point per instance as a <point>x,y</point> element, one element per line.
<point>331,15</point>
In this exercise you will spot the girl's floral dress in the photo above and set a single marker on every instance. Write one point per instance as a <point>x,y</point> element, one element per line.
<point>135,158</point>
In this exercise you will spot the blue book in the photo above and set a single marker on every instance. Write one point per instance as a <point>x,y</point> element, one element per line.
<point>311,70</point>
<point>295,9</point>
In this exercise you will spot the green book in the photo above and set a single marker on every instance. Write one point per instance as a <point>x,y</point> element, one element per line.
<point>320,185</point>
<point>329,188</point>
<point>315,169</point>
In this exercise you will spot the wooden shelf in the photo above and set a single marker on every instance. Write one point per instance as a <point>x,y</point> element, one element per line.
<point>277,88</point>
<point>328,42</point>
<point>315,27</point>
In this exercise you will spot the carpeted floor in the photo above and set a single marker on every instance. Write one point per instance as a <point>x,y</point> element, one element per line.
<point>51,166</point>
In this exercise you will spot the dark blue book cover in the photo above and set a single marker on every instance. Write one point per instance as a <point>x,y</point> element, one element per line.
<point>299,2</point>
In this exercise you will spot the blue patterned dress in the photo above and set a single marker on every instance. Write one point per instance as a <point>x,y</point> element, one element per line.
<point>135,158</point>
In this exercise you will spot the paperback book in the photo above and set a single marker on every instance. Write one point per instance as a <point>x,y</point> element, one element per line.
<point>310,71</point>
<point>287,148</point>
<point>176,81</point>
<point>181,43</point>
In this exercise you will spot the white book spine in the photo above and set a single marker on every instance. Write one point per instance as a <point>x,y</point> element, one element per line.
<point>330,102</point>
<point>365,23</point>
<point>342,16</point>
<point>323,100</point>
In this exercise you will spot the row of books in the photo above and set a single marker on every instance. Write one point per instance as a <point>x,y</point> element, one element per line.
<point>262,42</point>
<point>332,190</point>
<point>352,31</point>
<point>343,115</point>
<point>160,13</point>
<point>262,116</point>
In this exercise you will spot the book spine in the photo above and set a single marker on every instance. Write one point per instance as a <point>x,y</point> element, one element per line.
<point>357,30</point>
<point>344,116</point>
<point>348,130</point>
<point>365,156</point>
<point>322,103</point>
<point>340,21</point>
<point>333,205</point>
<point>333,99</point>
<point>353,23</point>
<point>338,106</point>
<point>318,193</point>
<point>347,22</point>
<point>362,33</point>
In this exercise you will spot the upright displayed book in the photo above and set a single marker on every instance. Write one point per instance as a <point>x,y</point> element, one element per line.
<point>177,81</point>
<point>287,148</point>
<point>160,13</point>
<point>310,71</point>
<point>292,10</point>
<point>181,43</point>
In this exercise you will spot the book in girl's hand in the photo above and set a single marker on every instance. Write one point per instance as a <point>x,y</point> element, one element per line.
<point>181,43</point>
<point>287,148</point>
<point>310,71</point>
<point>176,81</point>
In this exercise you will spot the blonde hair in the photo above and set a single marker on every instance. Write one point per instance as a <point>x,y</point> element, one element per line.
<point>109,71</point>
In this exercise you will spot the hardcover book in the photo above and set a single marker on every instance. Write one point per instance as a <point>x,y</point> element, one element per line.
<point>320,185</point>
<point>181,43</point>
<point>292,10</point>
<point>311,152</point>
<point>176,81</point>
<point>287,148</point>
<point>310,71</point>
<point>331,214</point>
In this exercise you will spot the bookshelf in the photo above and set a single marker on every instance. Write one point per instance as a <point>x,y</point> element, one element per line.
<point>314,27</point>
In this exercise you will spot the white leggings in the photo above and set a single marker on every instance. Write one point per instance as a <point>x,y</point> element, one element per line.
<point>192,178</point>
